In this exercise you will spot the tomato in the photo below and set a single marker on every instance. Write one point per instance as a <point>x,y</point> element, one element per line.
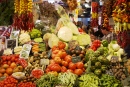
<point>65,63</point>
<point>68,58</point>
<point>55,48</point>
<point>49,66</point>
<point>70,70</point>
<point>80,65</point>
<point>63,69</point>
<point>12,59</point>
<point>16,60</point>
<point>55,52</point>
<point>78,71</point>
<point>59,54</point>
<point>52,61</point>
<point>8,58</point>
<point>57,60</point>
<point>72,66</point>
<point>4,58</point>
<point>61,45</point>
<point>9,62</point>
<point>64,54</point>
<point>47,70</point>
<point>16,55</point>
<point>55,67</point>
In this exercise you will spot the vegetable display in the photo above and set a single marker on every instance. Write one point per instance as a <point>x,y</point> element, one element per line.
<point>47,80</point>
<point>61,56</point>
<point>67,79</point>
<point>109,81</point>
<point>9,82</point>
<point>88,80</point>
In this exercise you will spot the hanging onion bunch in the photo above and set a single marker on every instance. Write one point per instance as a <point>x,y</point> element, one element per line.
<point>48,13</point>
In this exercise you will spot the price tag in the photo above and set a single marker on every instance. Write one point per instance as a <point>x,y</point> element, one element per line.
<point>76,59</point>
<point>11,43</point>
<point>25,51</point>
<point>14,35</point>
<point>116,58</point>
<point>37,1</point>
<point>44,62</point>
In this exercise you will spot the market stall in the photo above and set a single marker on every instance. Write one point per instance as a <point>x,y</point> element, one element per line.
<point>42,47</point>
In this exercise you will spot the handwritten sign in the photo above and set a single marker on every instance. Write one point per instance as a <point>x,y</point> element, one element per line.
<point>37,1</point>
<point>76,59</point>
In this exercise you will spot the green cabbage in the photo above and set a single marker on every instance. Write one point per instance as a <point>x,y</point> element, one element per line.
<point>84,39</point>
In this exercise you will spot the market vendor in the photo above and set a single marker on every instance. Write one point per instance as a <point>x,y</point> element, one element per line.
<point>108,35</point>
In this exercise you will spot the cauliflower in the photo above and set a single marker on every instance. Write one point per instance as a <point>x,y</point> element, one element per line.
<point>24,38</point>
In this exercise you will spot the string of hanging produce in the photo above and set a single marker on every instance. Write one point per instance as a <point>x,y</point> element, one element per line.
<point>121,15</point>
<point>94,15</point>
<point>23,17</point>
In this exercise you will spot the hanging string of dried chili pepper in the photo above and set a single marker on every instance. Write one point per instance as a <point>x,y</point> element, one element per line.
<point>23,18</point>
<point>94,15</point>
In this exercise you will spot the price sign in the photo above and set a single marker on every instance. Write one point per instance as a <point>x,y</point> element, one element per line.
<point>37,1</point>
<point>11,43</point>
<point>116,58</point>
<point>76,59</point>
<point>44,62</point>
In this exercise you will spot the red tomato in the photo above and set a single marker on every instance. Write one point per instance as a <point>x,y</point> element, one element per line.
<point>61,45</point>
<point>16,55</point>
<point>78,71</point>
<point>68,58</point>
<point>8,58</point>
<point>55,52</point>
<point>55,67</point>
<point>9,62</point>
<point>64,54</point>
<point>72,66</point>
<point>52,61</point>
<point>65,63</point>
<point>63,69</point>
<point>80,65</point>
<point>47,70</point>
<point>16,60</point>
<point>55,48</point>
<point>70,70</point>
<point>4,58</point>
<point>13,59</point>
<point>49,66</point>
